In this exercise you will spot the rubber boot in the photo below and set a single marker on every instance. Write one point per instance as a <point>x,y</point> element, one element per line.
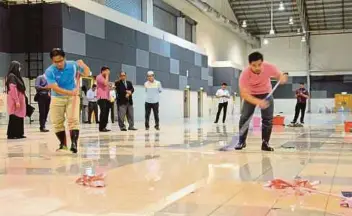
<point>266,147</point>
<point>62,138</point>
<point>74,140</point>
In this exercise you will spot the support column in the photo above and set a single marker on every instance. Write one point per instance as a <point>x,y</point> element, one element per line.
<point>181,27</point>
<point>147,11</point>
<point>194,33</point>
<point>308,57</point>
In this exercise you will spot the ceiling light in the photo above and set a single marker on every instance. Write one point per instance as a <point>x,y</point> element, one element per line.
<point>272,32</point>
<point>244,24</point>
<point>303,39</point>
<point>281,6</point>
<point>265,41</point>
<point>290,21</point>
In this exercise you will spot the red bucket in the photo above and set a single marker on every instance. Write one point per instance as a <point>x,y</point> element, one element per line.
<point>279,120</point>
<point>348,126</point>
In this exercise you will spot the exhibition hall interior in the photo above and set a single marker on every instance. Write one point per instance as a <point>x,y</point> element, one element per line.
<point>175,107</point>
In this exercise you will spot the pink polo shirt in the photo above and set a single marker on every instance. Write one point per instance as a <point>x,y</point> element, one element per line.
<point>103,91</point>
<point>259,83</point>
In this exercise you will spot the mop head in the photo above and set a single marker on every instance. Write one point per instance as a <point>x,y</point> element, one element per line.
<point>96,181</point>
<point>231,146</point>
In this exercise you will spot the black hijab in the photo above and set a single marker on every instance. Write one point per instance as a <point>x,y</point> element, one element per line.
<point>14,77</point>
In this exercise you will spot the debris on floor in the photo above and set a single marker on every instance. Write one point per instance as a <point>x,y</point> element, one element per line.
<point>298,185</point>
<point>96,181</point>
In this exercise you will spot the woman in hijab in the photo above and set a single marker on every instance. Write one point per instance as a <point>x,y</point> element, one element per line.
<point>16,102</point>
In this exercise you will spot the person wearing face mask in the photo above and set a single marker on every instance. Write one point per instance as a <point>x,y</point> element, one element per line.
<point>255,85</point>
<point>63,79</point>
<point>16,101</point>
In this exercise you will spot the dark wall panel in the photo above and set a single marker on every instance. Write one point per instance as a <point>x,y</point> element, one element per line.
<point>164,64</point>
<point>103,49</point>
<point>129,55</point>
<point>176,52</point>
<point>18,28</point>
<point>141,75</point>
<point>73,18</point>
<point>4,29</point>
<point>184,67</point>
<point>164,78</point>
<point>142,41</point>
<point>120,34</point>
<point>52,26</point>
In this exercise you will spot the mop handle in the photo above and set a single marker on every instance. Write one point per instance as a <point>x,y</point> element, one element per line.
<point>272,91</point>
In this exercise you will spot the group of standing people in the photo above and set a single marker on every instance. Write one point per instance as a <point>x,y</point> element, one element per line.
<point>58,90</point>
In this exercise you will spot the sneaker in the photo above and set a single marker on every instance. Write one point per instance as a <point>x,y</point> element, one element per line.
<point>157,128</point>
<point>266,147</point>
<point>123,129</point>
<point>240,146</point>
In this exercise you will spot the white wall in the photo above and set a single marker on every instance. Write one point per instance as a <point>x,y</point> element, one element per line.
<point>219,43</point>
<point>331,52</point>
<point>288,53</point>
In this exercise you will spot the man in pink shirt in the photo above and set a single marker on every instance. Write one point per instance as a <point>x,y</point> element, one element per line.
<point>103,96</point>
<point>255,85</point>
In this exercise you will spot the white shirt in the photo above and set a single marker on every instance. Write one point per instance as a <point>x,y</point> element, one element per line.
<point>92,95</point>
<point>112,95</point>
<point>220,93</point>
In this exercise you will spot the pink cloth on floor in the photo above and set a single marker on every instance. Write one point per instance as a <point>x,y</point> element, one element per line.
<point>14,96</point>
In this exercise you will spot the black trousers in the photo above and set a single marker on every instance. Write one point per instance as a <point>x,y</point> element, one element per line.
<point>267,118</point>
<point>300,107</point>
<point>221,105</point>
<point>15,127</point>
<point>148,108</point>
<point>111,110</point>
<point>44,106</point>
<point>104,113</point>
<point>92,106</point>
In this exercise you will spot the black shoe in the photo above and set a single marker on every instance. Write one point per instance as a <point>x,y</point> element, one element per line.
<point>293,122</point>
<point>215,122</point>
<point>266,147</point>
<point>123,129</point>
<point>104,130</point>
<point>22,137</point>
<point>146,128</point>
<point>302,122</point>
<point>10,137</point>
<point>240,146</point>
<point>74,139</point>
<point>44,130</point>
<point>132,129</point>
<point>157,128</point>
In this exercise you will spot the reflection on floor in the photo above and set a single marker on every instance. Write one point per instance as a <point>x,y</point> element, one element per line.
<point>177,171</point>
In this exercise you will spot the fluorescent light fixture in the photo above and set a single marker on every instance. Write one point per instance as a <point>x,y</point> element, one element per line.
<point>272,32</point>
<point>265,41</point>
<point>303,39</point>
<point>244,24</point>
<point>281,6</point>
<point>290,21</point>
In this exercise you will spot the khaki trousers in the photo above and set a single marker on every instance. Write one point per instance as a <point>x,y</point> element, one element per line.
<point>64,108</point>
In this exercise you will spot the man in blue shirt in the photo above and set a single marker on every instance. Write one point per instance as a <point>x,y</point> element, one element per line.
<point>43,99</point>
<point>63,79</point>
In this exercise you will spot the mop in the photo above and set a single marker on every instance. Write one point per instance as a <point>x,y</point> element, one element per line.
<point>245,126</point>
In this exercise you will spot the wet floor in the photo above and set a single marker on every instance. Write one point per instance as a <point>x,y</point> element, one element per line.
<point>176,171</point>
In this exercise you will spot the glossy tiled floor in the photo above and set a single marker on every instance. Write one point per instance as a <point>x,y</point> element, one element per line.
<point>177,171</point>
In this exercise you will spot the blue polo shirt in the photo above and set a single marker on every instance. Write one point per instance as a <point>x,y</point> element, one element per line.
<point>65,78</point>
